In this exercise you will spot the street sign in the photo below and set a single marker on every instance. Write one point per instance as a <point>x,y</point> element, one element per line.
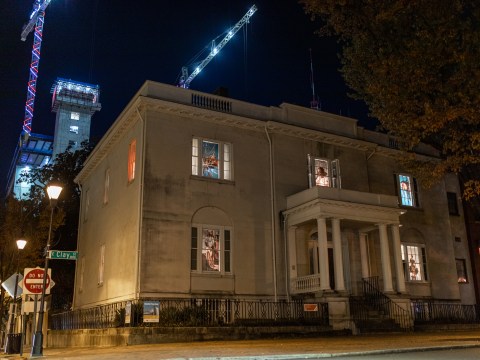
<point>65,255</point>
<point>33,281</point>
<point>9,285</point>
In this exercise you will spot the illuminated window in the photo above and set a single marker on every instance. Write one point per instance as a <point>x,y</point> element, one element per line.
<point>461,271</point>
<point>101,265</point>
<point>74,129</point>
<point>324,172</point>
<point>132,150</point>
<point>106,188</point>
<point>407,190</point>
<point>414,262</point>
<point>74,115</point>
<point>212,159</point>
<point>211,248</point>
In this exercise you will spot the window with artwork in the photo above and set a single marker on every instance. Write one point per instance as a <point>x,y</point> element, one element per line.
<point>212,159</point>
<point>414,262</point>
<point>74,129</point>
<point>324,172</point>
<point>101,265</point>
<point>452,203</point>
<point>132,152</point>
<point>211,248</point>
<point>461,271</point>
<point>74,115</point>
<point>407,190</point>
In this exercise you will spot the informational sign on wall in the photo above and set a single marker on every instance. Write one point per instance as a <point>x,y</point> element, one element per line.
<point>151,311</point>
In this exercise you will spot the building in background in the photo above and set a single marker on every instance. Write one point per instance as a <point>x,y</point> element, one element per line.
<point>74,103</point>
<point>192,195</point>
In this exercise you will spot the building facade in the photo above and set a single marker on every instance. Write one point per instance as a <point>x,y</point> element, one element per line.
<point>195,195</point>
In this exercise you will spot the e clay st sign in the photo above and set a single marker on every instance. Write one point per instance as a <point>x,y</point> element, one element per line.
<point>33,281</point>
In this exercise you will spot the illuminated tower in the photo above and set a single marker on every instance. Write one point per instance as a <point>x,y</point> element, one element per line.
<point>74,103</point>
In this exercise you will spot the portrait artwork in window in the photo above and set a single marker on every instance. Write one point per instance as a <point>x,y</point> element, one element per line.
<point>405,190</point>
<point>210,250</point>
<point>322,173</point>
<point>210,159</point>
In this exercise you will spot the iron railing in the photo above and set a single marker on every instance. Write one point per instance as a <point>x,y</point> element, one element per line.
<point>193,312</point>
<point>378,300</point>
<point>427,312</point>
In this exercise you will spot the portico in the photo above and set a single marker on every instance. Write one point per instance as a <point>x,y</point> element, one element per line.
<point>336,237</point>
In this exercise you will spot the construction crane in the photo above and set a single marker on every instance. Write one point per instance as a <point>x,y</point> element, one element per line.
<point>36,20</point>
<point>186,79</point>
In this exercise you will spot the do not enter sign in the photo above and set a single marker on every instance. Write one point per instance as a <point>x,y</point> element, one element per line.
<point>33,281</point>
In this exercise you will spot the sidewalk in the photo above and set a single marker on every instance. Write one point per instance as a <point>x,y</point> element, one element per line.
<point>271,348</point>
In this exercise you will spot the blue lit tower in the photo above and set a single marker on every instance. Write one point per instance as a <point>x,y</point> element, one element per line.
<point>74,103</point>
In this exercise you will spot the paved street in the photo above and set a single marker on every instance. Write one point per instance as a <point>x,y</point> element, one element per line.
<point>311,348</point>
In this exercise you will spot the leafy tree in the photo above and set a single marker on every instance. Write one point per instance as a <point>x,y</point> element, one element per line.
<point>63,170</point>
<point>416,65</point>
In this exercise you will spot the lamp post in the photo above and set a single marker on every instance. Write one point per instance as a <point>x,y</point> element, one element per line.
<point>9,347</point>
<point>53,192</point>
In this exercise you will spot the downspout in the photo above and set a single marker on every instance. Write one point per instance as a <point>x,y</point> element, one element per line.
<point>140,208</point>
<point>78,237</point>
<point>272,205</point>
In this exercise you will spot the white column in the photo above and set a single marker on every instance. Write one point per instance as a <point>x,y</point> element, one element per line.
<point>337,255</point>
<point>323,253</point>
<point>364,255</point>
<point>292,252</point>
<point>397,255</point>
<point>385,254</point>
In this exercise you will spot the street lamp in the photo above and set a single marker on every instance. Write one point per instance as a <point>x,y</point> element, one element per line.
<point>53,192</point>
<point>9,346</point>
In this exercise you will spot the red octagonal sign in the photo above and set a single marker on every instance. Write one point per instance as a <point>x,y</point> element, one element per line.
<point>33,281</point>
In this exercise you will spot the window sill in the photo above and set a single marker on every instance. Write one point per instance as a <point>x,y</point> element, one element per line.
<point>211,274</point>
<point>219,181</point>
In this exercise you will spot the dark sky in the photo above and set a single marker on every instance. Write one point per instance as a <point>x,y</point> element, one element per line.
<point>119,44</point>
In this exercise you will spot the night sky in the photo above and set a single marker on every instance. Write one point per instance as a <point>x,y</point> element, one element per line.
<point>120,44</point>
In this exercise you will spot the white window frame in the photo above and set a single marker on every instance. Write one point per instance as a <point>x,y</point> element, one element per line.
<point>225,250</point>
<point>414,262</point>
<point>407,197</point>
<point>101,265</point>
<point>75,115</point>
<point>74,129</point>
<point>319,176</point>
<point>225,159</point>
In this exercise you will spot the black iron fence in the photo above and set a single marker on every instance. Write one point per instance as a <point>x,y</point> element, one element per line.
<point>193,312</point>
<point>426,312</point>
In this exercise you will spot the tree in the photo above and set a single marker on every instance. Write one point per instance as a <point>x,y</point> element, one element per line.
<point>415,64</point>
<point>63,170</point>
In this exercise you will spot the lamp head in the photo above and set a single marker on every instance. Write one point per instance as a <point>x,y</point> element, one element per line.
<point>53,191</point>
<point>21,244</point>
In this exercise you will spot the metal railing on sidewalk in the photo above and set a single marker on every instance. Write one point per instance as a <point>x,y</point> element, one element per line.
<point>429,312</point>
<point>193,312</point>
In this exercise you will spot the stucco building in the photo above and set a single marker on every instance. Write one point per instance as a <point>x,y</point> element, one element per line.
<point>194,195</point>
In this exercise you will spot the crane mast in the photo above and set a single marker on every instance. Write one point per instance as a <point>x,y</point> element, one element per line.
<point>186,79</point>
<point>36,20</point>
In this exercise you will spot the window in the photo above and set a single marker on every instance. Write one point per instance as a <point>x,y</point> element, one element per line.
<point>82,271</point>
<point>452,203</point>
<point>74,115</point>
<point>72,143</point>
<point>408,192</point>
<point>212,159</point>
<point>461,271</point>
<point>458,239</point>
<point>101,265</point>
<point>324,172</point>
<point>106,185</point>
<point>74,129</point>
<point>87,205</point>
<point>211,249</point>
<point>414,262</point>
<point>132,150</point>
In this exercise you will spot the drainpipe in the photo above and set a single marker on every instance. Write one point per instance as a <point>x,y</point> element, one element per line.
<point>272,204</point>
<point>140,208</point>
